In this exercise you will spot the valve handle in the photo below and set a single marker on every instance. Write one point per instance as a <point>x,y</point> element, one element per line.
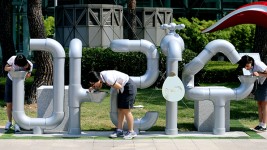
<point>172,26</point>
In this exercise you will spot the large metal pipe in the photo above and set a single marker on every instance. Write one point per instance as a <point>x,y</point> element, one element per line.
<point>209,51</point>
<point>218,95</point>
<point>172,46</point>
<point>144,81</point>
<point>77,94</point>
<point>152,55</point>
<point>213,92</point>
<point>38,124</point>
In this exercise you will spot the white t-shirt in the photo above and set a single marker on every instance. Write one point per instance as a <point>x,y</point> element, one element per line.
<point>111,77</point>
<point>11,62</point>
<point>259,66</point>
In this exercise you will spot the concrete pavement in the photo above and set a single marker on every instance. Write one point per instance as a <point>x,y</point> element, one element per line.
<point>94,140</point>
<point>136,144</point>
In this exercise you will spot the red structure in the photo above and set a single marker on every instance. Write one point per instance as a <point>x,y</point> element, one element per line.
<point>253,13</point>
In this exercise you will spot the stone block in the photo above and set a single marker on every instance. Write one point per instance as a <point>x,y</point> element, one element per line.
<point>204,116</point>
<point>45,106</point>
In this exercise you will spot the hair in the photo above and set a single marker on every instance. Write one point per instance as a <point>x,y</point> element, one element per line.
<point>245,60</point>
<point>21,60</point>
<point>93,76</point>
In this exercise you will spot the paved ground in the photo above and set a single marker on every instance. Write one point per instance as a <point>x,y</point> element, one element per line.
<point>137,144</point>
<point>144,141</point>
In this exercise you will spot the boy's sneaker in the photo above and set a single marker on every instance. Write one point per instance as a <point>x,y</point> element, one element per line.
<point>17,128</point>
<point>260,128</point>
<point>130,135</point>
<point>257,127</point>
<point>116,134</point>
<point>8,125</point>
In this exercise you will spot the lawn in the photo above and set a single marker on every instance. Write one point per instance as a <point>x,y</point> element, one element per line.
<point>95,116</point>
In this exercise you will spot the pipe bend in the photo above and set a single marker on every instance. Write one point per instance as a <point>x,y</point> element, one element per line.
<point>143,123</point>
<point>49,45</point>
<point>29,123</point>
<point>23,120</point>
<point>53,121</point>
<point>149,49</point>
<point>126,45</point>
<point>147,121</point>
<point>224,47</point>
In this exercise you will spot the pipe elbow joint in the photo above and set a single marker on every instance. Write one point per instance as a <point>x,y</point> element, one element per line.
<point>53,121</point>
<point>149,49</point>
<point>22,119</point>
<point>147,121</point>
<point>49,45</point>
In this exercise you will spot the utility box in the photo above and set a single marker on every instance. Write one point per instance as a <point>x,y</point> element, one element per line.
<point>96,25</point>
<point>148,23</point>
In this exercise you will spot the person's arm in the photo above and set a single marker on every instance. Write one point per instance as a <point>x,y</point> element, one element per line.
<point>263,74</point>
<point>116,85</point>
<point>7,67</point>
<point>28,74</point>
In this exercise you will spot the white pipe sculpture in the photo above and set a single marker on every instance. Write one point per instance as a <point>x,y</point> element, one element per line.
<point>172,46</point>
<point>77,94</point>
<point>39,124</point>
<point>151,75</point>
<point>219,95</point>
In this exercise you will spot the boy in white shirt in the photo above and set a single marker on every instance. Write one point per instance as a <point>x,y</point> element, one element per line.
<point>126,97</point>
<point>258,68</point>
<point>14,63</point>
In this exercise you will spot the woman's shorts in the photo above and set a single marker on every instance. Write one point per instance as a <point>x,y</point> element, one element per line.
<point>261,92</point>
<point>8,90</point>
<point>127,98</point>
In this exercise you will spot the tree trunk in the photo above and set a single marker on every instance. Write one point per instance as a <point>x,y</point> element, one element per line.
<point>6,32</point>
<point>260,41</point>
<point>132,19</point>
<point>43,60</point>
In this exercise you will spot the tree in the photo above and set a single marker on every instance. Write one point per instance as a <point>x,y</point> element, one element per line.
<point>6,34</point>
<point>132,19</point>
<point>260,41</point>
<point>42,59</point>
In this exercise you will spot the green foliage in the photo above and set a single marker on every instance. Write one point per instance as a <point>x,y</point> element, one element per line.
<point>217,72</point>
<point>99,59</point>
<point>241,36</point>
<point>49,24</point>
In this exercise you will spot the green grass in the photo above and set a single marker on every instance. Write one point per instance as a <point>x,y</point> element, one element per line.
<point>220,65</point>
<point>95,116</point>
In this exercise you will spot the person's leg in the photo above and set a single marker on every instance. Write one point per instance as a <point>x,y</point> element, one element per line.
<point>8,99</point>
<point>119,131</point>
<point>129,118</point>
<point>130,121</point>
<point>264,112</point>
<point>9,116</point>
<point>9,111</point>
<point>260,111</point>
<point>120,119</point>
